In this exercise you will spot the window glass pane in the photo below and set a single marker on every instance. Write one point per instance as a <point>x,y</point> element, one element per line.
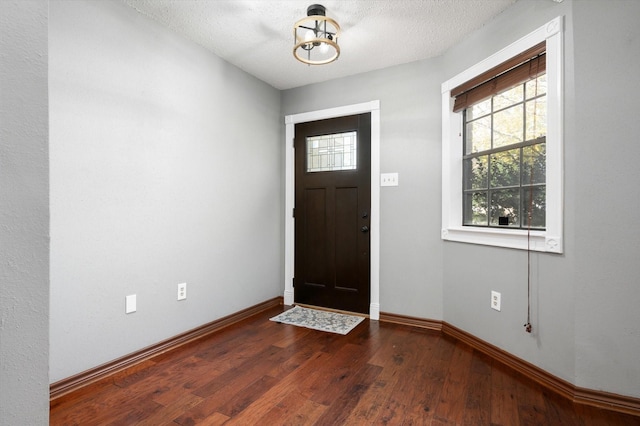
<point>478,136</point>
<point>475,208</point>
<point>505,203</point>
<point>332,152</point>
<point>479,109</point>
<point>534,199</point>
<point>508,98</point>
<point>508,126</point>
<point>505,168</point>
<point>534,90</point>
<point>475,175</point>
<point>534,164</point>
<point>536,118</point>
<point>496,185</point>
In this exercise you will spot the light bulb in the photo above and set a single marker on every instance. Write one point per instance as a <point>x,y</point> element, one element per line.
<point>309,35</point>
<point>324,48</point>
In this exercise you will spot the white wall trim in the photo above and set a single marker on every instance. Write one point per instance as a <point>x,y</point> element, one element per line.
<point>549,240</point>
<point>289,229</point>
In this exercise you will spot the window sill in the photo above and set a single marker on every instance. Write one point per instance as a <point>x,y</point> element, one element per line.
<point>508,238</point>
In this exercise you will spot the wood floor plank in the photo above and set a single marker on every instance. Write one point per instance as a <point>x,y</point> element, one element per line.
<point>503,397</point>
<point>291,336</point>
<point>372,402</point>
<point>308,414</point>
<point>294,410</point>
<point>167,413</point>
<point>559,410</point>
<point>73,405</point>
<point>343,366</point>
<point>424,395</point>
<point>411,358</point>
<point>240,375</point>
<point>246,396</point>
<point>215,419</point>
<point>531,405</point>
<point>224,388</point>
<point>260,372</point>
<point>376,399</point>
<point>592,416</point>
<point>289,388</point>
<point>348,394</point>
<point>451,405</point>
<point>435,373</point>
<point>479,392</point>
<point>186,376</point>
<point>386,352</point>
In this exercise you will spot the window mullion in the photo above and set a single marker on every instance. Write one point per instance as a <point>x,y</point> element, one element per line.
<point>524,144</point>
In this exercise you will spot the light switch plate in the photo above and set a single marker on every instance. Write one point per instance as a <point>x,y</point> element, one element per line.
<point>388,179</point>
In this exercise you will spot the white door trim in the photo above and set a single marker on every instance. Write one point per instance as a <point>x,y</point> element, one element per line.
<point>289,234</point>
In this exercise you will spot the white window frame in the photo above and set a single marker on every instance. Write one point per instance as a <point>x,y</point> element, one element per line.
<point>549,240</point>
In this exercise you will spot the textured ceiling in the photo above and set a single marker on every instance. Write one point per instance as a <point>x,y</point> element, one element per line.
<point>257,35</point>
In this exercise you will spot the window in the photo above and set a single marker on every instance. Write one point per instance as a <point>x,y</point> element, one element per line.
<point>332,152</point>
<point>503,161</point>
<point>502,147</point>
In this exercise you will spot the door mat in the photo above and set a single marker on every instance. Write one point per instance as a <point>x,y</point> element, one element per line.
<point>331,322</point>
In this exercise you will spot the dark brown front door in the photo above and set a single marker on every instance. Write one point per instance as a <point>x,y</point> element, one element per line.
<point>332,213</point>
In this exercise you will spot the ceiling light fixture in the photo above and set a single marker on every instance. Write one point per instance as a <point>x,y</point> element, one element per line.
<point>316,37</point>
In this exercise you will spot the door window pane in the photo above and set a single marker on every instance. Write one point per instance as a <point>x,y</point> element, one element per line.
<point>332,152</point>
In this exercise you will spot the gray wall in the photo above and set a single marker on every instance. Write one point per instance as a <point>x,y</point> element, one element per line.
<point>166,167</point>
<point>584,302</point>
<point>24,214</point>
<point>607,195</point>
<point>410,144</point>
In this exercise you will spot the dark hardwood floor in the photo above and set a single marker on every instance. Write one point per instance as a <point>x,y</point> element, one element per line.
<point>258,372</point>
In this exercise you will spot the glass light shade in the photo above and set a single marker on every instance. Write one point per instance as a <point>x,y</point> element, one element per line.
<point>316,40</point>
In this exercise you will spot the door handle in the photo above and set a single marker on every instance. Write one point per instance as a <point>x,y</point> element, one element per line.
<point>364,229</point>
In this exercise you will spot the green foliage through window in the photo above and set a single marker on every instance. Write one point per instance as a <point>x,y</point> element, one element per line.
<point>504,163</point>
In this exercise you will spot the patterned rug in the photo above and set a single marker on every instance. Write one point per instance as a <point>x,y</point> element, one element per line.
<point>318,320</point>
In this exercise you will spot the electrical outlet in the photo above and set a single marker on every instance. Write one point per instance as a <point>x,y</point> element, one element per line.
<point>130,304</point>
<point>182,291</point>
<point>495,300</point>
<point>388,179</point>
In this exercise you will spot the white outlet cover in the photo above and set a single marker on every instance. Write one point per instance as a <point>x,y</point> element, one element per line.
<point>130,304</point>
<point>182,291</point>
<point>496,300</point>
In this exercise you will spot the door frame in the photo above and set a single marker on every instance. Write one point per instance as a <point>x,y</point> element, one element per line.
<point>289,222</point>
